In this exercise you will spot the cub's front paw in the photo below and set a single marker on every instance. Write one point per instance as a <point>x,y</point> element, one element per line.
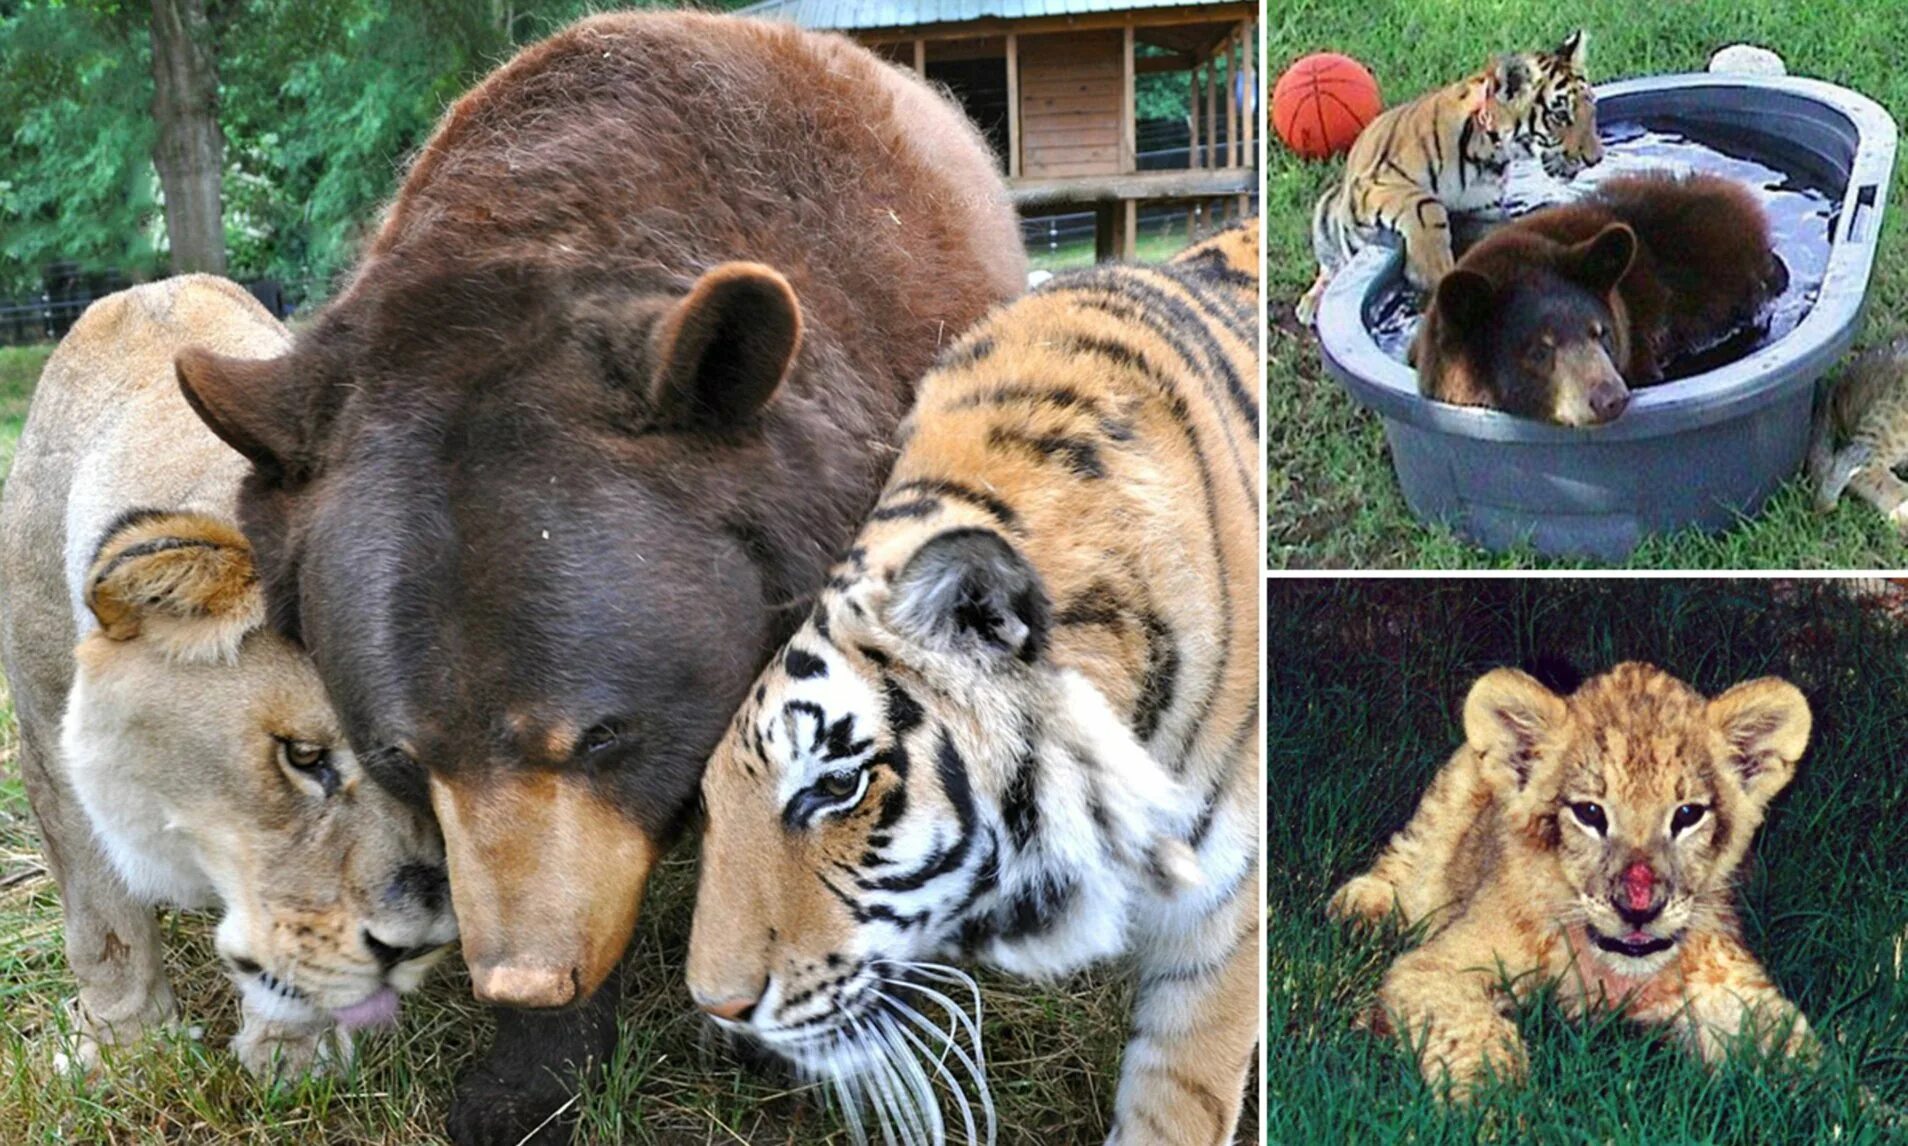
<point>1363,899</point>
<point>488,1111</point>
<point>280,1050</point>
<point>1467,1060</point>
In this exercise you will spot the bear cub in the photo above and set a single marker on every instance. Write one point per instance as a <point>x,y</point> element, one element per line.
<point>1557,314</point>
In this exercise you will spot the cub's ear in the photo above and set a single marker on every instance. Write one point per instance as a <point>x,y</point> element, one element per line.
<point>1465,299</point>
<point>1766,724</point>
<point>1511,719</point>
<point>969,591</point>
<point>720,353</point>
<point>1509,77</point>
<point>1602,260</point>
<point>255,404</point>
<point>1572,50</point>
<point>182,581</point>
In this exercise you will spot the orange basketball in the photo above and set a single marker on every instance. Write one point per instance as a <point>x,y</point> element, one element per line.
<point>1322,102</point>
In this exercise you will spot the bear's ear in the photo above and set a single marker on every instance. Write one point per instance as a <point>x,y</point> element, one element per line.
<point>1511,719</point>
<point>721,352</point>
<point>969,591</point>
<point>256,405</point>
<point>183,581</point>
<point>1766,724</point>
<point>1465,299</point>
<point>1571,51</point>
<point>1602,260</point>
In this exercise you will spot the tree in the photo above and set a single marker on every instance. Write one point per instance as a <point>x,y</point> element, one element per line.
<point>189,149</point>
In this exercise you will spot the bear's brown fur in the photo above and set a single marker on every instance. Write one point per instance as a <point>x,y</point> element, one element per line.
<point>1558,314</point>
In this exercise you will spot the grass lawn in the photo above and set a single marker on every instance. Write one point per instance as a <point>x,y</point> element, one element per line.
<point>1332,499</point>
<point>1365,696</point>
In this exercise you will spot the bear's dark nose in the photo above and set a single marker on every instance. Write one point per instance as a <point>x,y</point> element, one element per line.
<point>1607,401</point>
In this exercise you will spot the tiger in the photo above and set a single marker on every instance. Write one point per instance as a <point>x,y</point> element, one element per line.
<point>1448,151</point>
<point>1866,413</point>
<point>1019,724</point>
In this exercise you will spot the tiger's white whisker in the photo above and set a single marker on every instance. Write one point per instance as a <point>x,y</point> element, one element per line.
<point>939,1059</point>
<point>973,1065</point>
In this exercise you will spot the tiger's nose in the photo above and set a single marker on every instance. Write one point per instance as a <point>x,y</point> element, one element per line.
<point>735,1010</point>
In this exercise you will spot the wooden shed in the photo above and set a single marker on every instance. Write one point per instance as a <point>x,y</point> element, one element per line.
<point>1054,85</point>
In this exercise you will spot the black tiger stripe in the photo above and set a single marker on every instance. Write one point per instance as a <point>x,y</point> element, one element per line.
<point>802,664</point>
<point>1159,679</point>
<point>1000,510</point>
<point>121,524</point>
<point>1178,322</point>
<point>1080,456</point>
<point>148,549</point>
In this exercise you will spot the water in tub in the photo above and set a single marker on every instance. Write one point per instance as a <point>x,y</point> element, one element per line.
<point>1801,223</point>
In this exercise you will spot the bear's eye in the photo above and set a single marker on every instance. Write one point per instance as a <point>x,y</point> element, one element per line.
<point>1598,330</point>
<point>1686,817</point>
<point>596,739</point>
<point>1590,816</point>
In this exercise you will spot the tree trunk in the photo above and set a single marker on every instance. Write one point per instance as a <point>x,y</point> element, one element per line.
<point>190,150</point>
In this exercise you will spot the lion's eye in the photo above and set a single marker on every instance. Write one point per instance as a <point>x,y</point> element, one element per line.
<point>312,761</point>
<point>1686,817</point>
<point>1590,816</point>
<point>303,755</point>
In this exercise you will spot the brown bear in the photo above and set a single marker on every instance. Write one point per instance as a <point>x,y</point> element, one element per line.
<point>1556,315</point>
<point>568,457</point>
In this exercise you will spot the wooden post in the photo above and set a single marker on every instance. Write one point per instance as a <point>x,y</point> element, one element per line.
<point>920,58</point>
<point>1129,107</point>
<point>1192,121</point>
<point>1130,248</point>
<point>1212,112</point>
<point>1105,237</point>
<point>1013,106</point>
<point>1232,99</point>
<point>1249,112</point>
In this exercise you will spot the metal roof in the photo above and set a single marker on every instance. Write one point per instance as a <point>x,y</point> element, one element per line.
<point>851,15</point>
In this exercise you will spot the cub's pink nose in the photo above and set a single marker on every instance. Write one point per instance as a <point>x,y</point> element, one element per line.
<point>736,1010</point>
<point>1639,885</point>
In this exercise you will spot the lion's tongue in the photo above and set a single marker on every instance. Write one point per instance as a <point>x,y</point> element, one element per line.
<point>379,1010</point>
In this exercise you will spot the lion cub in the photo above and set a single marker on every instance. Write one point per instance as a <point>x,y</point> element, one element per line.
<point>1587,841</point>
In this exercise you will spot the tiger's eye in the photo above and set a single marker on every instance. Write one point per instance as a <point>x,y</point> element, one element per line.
<point>838,785</point>
<point>1686,817</point>
<point>1590,816</point>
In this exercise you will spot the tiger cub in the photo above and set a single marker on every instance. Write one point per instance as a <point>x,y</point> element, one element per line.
<point>1448,150</point>
<point>1867,412</point>
<point>1021,722</point>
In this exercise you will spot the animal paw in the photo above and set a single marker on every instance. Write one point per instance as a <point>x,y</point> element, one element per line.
<point>1467,1064</point>
<point>84,1052</point>
<point>1363,899</point>
<point>282,1051</point>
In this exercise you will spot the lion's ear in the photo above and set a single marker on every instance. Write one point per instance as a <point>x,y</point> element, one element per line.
<point>1510,719</point>
<point>1766,724</point>
<point>183,581</point>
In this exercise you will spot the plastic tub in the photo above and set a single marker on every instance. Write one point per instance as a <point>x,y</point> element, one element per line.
<point>1699,451</point>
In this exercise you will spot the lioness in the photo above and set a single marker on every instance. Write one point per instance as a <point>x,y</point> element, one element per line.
<point>175,750</point>
<point>1587,841</point>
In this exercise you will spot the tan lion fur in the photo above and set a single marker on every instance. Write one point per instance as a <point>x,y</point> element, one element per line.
<point>1514,886</point>
<point>153,707</point>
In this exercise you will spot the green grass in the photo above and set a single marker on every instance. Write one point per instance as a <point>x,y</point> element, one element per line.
<point>1365,693</point>
<point>19,370</point>
<point>1332,500</point>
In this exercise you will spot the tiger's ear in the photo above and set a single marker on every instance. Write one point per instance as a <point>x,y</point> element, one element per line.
<point>1465,299</point>
<point>969,591</point>
<point>1509,76</point>
<point>1602,260</point>
<point>1766,724</point>
<point>255,405</point>
<point>1572,50</point>
<point>1511,720</point>
<point>721,352</point>
<point>182,581</point>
